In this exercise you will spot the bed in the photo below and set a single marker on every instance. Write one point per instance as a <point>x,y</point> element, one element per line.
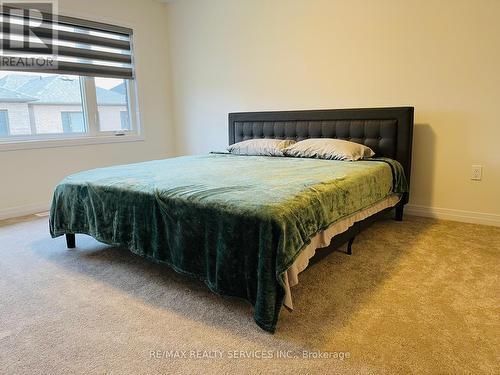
<point>247,225</point>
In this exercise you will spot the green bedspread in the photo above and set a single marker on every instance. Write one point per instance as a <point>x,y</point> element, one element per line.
<point>235,222</point>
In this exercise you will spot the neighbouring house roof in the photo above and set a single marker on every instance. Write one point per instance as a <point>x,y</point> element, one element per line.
<point>10,96</point>
<point>120,89</point>
<point>14,81</point>
<point>109,97</point>
<point>54,89</point>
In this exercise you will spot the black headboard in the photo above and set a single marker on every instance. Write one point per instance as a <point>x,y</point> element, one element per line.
<point>387,131</point>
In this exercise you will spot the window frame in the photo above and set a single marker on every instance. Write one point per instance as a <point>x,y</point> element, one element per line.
<point>87,72</point>
<point>93,134</point>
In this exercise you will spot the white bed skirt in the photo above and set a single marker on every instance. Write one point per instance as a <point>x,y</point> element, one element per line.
<point>323,239</point>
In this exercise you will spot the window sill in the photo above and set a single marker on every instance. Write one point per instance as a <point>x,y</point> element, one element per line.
<point>30,144</point>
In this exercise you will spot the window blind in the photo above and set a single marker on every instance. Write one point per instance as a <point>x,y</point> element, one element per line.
<point>79,47</point>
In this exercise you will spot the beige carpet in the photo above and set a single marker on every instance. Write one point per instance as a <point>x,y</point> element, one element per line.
<point>421,296</point>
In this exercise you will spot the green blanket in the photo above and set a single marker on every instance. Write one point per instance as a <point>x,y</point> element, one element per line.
<point>235,222</point>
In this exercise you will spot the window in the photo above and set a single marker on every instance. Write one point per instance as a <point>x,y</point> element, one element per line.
<point>112,104</point>
<point>124,121</point>
<point>72,122</point>
<point>56,105</point>
<point>4,123</point>
<point>36,102</point>
<point>90,91</point>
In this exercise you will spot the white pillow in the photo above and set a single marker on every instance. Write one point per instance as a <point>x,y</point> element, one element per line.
<point>265,147</point>
<point>328,148</point>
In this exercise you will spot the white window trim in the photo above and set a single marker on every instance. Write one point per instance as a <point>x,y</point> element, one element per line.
<point>54,141</point>
<point>91,115</point>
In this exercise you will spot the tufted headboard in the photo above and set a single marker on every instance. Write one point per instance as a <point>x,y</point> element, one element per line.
<point>387,131</point>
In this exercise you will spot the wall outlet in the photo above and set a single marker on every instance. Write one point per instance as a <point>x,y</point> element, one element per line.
<point>477,172</point>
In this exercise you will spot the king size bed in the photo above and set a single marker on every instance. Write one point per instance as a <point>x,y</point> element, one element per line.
<point>247,225</point>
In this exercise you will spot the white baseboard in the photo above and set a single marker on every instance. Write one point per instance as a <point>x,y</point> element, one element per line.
<point>29,209</point>
<point>455,215</point>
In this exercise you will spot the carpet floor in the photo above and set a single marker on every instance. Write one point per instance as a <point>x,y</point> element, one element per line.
<point>421,296</point>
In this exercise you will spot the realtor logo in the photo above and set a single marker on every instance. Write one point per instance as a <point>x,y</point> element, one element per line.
<point>28,35</point>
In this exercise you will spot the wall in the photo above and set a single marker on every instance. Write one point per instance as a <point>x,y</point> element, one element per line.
<point>29,176</point>
<point>441,56</point>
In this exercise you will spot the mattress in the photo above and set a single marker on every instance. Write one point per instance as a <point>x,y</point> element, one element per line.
<point>238,223</point>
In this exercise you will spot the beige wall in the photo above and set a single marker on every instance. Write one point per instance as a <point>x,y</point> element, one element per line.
<point>28,176</point>
<point>441,56</point>
<point>238,55</point>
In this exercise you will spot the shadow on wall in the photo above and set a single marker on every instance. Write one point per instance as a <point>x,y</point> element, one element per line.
<point>423,165</point>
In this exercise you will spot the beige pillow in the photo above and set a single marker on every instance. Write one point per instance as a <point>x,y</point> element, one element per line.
<point>265,147</point>
<point>328,148</point>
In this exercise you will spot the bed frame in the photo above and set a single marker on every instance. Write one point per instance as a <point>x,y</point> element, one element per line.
<point>387,131</point>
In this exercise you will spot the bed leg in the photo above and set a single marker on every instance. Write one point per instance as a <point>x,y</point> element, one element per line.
<point>399,212</point>
<point>70,240</point>
<point>349,246</point>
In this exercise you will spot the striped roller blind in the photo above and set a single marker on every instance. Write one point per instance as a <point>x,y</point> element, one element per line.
<point>78,46</point>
